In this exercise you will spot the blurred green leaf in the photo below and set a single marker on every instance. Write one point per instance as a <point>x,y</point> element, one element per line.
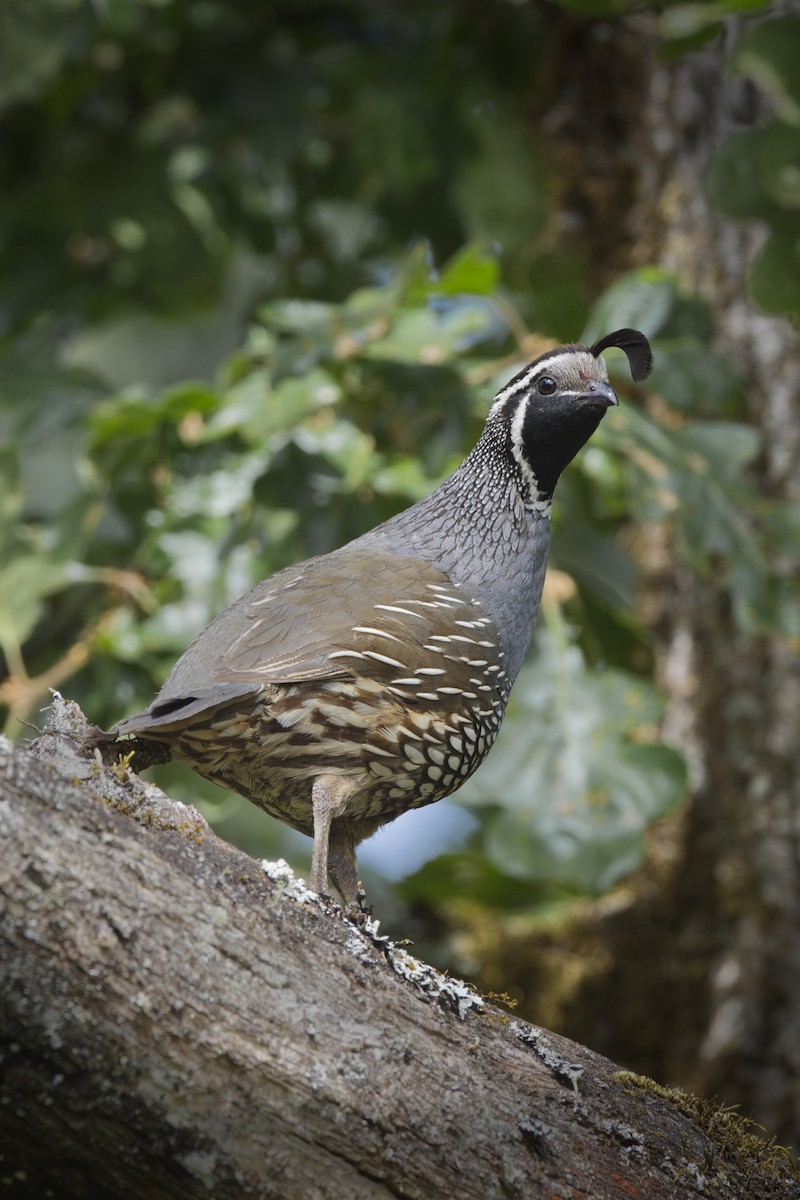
<point>775,273</point>
<point>27,579</point>
<point>694,381</point>
<point>34,41</point>
<point>769,54</point>
<point>683,21</point>
<point>725,447</point>
<point>572,793</point>
<point>642,299</point>
<point>256,409</point>
<point>473,271</point>
<point>734,186</point>
<point>755,173</point>
<point>470,875</point>
<point>779,158</point>
<point>697,476</point>
<point>297,316</point>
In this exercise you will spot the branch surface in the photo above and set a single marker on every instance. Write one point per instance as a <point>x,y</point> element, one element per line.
<point>176,1023</point>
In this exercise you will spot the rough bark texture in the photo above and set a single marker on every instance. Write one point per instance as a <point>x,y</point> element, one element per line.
<point>704,942</point>
<point>736,702</point>
<point>176,1025</point>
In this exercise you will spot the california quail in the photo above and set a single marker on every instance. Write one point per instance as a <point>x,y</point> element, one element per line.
<point>343,691</point>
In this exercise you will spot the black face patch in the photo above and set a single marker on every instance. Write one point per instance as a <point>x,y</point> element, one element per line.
<point>553,430</point>
<point>553,406</point>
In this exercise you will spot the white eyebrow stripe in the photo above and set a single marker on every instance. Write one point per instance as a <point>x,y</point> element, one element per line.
<point>542,366</point>
<point>536,369</point>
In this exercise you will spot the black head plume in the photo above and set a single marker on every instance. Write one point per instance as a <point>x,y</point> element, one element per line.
<point>636,347</point>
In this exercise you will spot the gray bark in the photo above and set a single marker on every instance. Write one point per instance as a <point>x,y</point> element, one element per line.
<point>177,1024</point>
<point>705,937</point>
<point>735,700</point>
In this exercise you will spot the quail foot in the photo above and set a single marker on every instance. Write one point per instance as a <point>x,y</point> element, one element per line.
<point>345,690</point>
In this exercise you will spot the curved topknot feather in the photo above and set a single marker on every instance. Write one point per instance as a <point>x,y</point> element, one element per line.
<point>636,347</point>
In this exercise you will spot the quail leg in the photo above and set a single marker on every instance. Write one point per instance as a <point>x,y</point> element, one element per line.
<point>329,796</point>
<point>345,835</point>
<point>342,862</point>
<point>323,815</point>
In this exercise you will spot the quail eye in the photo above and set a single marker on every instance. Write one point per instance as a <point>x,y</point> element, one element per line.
<point>546,386</point>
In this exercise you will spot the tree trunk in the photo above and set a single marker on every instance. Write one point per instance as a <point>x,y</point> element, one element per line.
<point>176,1023</point>
<point>704,941</point>
<point>735,701</point>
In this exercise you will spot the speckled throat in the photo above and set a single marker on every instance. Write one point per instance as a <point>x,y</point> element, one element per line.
<point>488,530</point>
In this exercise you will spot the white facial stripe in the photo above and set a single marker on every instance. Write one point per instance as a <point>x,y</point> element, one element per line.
<point>534,370</point>
<point>523,384</point>
<point>536,503</point>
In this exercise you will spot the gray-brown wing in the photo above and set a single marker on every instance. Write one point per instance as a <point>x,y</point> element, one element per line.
<point>398,619</point>
<point>319,623</point>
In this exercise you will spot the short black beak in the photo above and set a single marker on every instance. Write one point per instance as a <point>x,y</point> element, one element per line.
<point>600,395</point>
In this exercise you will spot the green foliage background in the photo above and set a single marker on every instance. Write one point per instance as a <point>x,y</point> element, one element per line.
<point>263,266</point>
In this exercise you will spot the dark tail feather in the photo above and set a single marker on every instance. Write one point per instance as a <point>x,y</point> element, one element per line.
<point>169,717</point>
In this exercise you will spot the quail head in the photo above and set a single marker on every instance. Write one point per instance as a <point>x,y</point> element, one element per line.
<point>345,690</point>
